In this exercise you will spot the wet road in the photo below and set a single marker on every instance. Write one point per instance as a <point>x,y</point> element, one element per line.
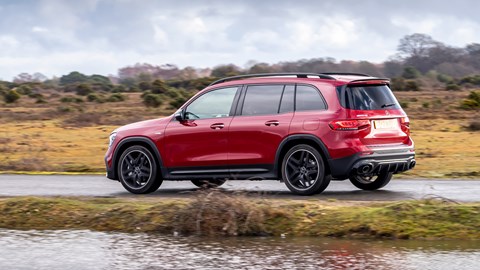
<point>99,186</point>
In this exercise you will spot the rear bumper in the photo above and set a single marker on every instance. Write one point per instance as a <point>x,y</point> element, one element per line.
<point>376,163</point>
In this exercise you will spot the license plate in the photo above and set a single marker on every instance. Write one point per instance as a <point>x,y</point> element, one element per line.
<point>385,124</point>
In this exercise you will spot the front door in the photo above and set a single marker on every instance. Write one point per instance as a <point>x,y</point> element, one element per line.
<point>201,139</point>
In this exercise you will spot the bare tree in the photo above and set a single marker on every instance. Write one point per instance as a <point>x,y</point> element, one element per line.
<point>416,45</point>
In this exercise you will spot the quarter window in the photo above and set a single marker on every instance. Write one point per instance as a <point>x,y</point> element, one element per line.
<point>309,99</point>
<point>262,99</point>
<point>216,103</point>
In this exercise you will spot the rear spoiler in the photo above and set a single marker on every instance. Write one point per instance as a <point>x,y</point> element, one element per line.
<point>370,81</point>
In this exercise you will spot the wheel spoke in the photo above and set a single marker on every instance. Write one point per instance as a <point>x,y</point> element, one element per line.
<point>131,160</point>
<point>293,161</point>
<point>310,172</point>
<point>302,156</point>
<point>294,174</point>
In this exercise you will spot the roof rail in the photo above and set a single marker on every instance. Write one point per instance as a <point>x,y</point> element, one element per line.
<point>299,75</point>
<point>346,74</point>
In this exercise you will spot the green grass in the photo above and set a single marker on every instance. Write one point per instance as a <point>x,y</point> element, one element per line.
<point>214,213</point>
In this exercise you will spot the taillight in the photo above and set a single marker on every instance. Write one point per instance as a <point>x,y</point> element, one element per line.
<point>405,125</point>
<point>350,124</point>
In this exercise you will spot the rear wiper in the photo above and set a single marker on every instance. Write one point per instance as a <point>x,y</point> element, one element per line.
<point>388,105</point>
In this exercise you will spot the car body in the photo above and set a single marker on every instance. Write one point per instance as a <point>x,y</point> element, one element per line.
<point>302,128</point>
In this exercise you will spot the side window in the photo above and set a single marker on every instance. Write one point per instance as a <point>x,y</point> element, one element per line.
<point>309,99</point>
<point>262,99</point>
<point>288,99</point>
<point>216,103</point>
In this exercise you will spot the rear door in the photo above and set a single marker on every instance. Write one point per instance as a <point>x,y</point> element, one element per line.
<point>262,121</point>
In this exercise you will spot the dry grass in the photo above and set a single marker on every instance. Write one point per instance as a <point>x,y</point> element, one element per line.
<point>215,213</point>
<point>48,137</point>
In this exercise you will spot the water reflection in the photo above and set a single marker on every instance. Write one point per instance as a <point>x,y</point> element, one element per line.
<point>97,250</point>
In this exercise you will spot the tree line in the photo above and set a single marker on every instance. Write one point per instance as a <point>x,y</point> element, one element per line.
<point>420,62</point>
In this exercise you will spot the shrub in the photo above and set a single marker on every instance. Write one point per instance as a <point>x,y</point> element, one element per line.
<point>41,100</point>
<point>426,105</point>
<point>159,87</point>
<point>474,126</point>
<point>116,97</point>
<point>410,73</point>
<point>444,78</point>
<point>71,99</point>
<point>171,93</point>
<point>452,87</point>
<point>119,88</point>
<point>24,90</point>
<point>152,100</point>
<point>65,109</point>
<point>11,96</point>
<point>216,213</point>
<point>412,85</point>
<point>176,103</point>
<point>404,104</point>
<point>472,102</point>
<point>398,84</point>
<point>94,98</point>
<point>83,89</point>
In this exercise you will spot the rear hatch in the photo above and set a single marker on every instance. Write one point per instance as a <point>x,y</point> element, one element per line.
<point>372,104</point>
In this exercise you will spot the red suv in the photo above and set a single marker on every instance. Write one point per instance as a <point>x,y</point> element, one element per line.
<point>303,128</point>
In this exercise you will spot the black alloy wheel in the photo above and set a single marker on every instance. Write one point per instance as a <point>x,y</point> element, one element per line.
<point>373,182</point>
<point>212,183</point>
<point>303,170</point>
<point>138,170</point>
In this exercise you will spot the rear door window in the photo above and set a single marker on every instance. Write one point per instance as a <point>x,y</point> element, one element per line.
<point>262,99</point>
<point>288,99</point>
<point>367,97</point>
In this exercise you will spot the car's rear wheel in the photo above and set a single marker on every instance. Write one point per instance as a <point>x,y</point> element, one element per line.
<point>371,182</point>
<point>212,183</point>
<point>303,170</point>
<point>138,170</point>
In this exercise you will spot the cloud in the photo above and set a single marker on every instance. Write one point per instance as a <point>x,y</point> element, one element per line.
<point>99,36</point>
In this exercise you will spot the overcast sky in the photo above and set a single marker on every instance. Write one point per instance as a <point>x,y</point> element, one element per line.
<point>55,37</point>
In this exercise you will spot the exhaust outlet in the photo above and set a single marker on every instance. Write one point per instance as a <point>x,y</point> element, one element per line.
<point>412,164</point>
<point>365,169</point>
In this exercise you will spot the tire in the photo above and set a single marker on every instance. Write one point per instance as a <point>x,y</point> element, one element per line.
<point>138,170</point>
<point>213,183</point>
<point>303,170</point>
<point>371,183</point>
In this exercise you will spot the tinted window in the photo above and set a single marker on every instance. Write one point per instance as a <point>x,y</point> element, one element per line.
<point>370,97</point>
<point>216,103</point>
<point>287,99</point>
<point>308,99</point>
<point>262,99</point>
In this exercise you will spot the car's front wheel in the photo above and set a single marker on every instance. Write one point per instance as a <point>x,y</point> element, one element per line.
<point>212,183</point>
<point>371,182</point>
<point>303,170</point>
<point>138,170</point>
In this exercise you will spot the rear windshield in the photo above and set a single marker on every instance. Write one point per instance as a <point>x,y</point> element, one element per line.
<point>367,97</point>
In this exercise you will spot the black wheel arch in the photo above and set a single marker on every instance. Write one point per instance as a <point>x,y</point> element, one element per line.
<point>296,139</point>
<point>143,141</point>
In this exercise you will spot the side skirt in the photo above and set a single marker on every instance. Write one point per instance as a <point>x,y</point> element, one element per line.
<point>243,172</point>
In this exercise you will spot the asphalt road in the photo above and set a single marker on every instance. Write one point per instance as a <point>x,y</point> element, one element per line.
<point>99,186</point>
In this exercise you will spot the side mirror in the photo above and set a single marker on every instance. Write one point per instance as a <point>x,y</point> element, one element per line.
<point>179,116</point>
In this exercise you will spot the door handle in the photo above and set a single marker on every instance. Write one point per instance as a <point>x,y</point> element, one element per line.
<point>272,123</point>
<point>217,126</point>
